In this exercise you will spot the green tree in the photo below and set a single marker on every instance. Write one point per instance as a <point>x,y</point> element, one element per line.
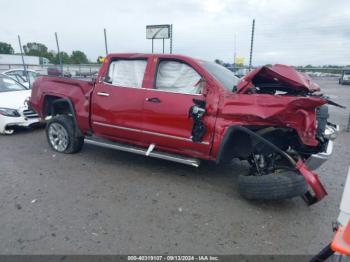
<point>51,55</point>
<point>38,49</point>
<point>78,57</point>
<point>6,48</point>
<point>65,58</point>
<point>35,49</point>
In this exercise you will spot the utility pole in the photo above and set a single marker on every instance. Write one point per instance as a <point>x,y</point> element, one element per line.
<point>24,65</point>
<point>171,38</point>
<point>59,54</point>
<point>106,47</point>
<point>234,54</point>
<point>251,45</point>
<point>152,45</point>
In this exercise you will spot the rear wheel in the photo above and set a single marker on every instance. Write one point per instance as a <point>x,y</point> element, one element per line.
<point>62,136</point>
<point>274,186</point>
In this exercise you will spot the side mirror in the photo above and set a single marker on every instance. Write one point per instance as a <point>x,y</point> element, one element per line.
<point>203,84</point>
<point>198,102</point>
<point>106,79</point>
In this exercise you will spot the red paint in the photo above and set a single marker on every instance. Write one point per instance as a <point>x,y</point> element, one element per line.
<point>128,107</point>
<point>312,179</point>
<point>281,73</point>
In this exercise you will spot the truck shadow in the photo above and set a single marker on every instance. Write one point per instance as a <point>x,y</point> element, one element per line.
<point>218,178</point>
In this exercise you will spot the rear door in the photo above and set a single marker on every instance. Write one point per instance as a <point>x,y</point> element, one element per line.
<point>166,120</point>
<point>117,101</point>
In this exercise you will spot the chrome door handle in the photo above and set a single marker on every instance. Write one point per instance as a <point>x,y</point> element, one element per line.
<point>102,94</point>
<point>153,99</point>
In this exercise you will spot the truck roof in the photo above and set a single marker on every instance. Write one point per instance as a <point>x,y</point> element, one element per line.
<point>146,55</point>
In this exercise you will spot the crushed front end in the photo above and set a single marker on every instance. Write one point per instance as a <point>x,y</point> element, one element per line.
<point>286,119</point>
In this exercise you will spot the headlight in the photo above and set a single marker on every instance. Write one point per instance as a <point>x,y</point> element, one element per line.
<point>9,112</point>
<point>330,132</point>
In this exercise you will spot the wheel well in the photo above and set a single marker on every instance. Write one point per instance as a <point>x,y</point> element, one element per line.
<point>235,144</point>
<point>239,144</point>
<point>54,105</point>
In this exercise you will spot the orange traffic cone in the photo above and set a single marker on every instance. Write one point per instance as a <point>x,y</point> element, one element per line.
<point>341,241</point>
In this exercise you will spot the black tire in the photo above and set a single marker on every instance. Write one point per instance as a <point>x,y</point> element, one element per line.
<point>73,141</point>
<point>276,186</point>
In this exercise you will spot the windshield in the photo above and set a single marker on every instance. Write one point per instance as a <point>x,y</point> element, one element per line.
<point>7,84</point>
<point>221,74</point>
<point>347,72</point>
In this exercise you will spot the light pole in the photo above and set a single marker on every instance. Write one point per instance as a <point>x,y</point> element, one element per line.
<point>105,34</point>
<point>251,46</point>
<point>24,65</point>
<point>59,53</point>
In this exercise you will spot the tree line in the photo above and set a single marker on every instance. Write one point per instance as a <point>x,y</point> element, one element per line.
<point>39,49</point>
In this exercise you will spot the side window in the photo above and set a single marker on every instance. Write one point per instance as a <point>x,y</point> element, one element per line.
<point>127,73</point>
<point>178,77</point>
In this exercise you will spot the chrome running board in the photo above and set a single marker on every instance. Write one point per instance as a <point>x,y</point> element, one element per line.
<point>143,151</point>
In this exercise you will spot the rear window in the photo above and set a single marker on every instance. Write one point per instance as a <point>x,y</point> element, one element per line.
<point>126,73</point>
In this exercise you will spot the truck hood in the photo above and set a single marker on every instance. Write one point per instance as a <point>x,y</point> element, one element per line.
<point>14,99</point>
<point>279,77</point>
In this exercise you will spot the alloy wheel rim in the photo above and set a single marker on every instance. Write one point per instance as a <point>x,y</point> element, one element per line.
<point>58,137</point>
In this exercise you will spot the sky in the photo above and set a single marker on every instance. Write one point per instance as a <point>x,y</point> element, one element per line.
<point>294,32</point>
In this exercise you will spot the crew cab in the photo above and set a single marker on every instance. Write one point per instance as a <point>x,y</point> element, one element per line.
<point>183,109</point>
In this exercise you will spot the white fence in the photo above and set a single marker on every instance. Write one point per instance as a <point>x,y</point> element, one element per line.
<point>73,69</point>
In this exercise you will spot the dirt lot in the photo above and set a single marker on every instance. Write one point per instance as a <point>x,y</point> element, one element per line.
<point>103,201</point>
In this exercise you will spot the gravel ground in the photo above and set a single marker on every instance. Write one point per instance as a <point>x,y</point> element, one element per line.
<point>102,201</point>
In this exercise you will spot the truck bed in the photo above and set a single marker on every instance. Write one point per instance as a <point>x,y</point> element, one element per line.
<point>75,90</point>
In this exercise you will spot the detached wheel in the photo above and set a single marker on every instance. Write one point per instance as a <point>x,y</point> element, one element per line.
<point>61,135</point>
<point>275,186</point>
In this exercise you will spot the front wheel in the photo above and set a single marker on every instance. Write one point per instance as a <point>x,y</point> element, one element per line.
<point>274,186</point>
<point>62,136</point>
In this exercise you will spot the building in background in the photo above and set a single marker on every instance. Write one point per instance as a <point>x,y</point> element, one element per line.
<point>17,60</point>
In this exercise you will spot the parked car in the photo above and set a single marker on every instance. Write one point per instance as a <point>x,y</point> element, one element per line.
<point>182,109</point>
<point>345,77</point>
<point>14,110</point>
<point>20,76</point>
<point>55,71</point>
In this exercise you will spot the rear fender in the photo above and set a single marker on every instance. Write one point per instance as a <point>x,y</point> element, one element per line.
<point>69,104</point>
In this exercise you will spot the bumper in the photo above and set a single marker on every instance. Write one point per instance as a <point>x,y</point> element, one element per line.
<point>313,181</point>
<point>316,160</point>
<point>7,123</point>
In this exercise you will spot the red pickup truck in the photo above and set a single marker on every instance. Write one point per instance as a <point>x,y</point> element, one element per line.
<point>182,109</point>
